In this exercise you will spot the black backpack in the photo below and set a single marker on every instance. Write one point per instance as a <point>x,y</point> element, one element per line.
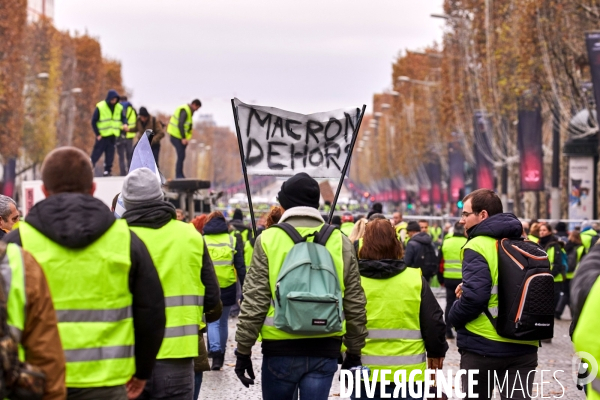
<point>525,291</point>
<point>427,260</point>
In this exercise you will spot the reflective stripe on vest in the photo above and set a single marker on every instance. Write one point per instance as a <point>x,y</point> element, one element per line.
<point>13,273</point>
<point>487,247</point>
<point>580,251</point>
<point>131,122</point>
<point>394,340</point>
<point>177,250</point>
<point>451,248</point>
<point>109,122</point>
<point>276,245</point>
<point>585,336</point>
<point>173,127</point>
<point>90,291</point>
<point>221,248</point>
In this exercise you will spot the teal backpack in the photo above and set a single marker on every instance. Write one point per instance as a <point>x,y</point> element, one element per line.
<point>308,295</point>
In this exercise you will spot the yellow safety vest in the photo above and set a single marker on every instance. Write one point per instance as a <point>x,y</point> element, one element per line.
<point>177,250</point>
<point>451,249</point>
<point>90,291</point>
<point>585,337</point>
<point>131,122</point>
<point>221,248</point>
<point>13,273</point>
<point>580,251</point>
<point>399,228</point>
<point>346,228</point>
<point>109,123</point>
<point>559,277</point>
<point>487,247</point>
<point>276,245</point>
<point>586,238</point>
<point>394,342</point>
<point>533,238</point>
<point>173,128</point>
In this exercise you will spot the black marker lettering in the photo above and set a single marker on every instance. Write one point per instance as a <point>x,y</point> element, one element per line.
<point>349,126</point>
<point>261,122</point>
<point>312,128</point>
<point>289,130</point>
<point>277,125</point>
<point>299,154</point>
<point>312,153</point>
<point>253,160</point>
<point>332,156</point>
<point>332,121</point>
<point>272,153</point>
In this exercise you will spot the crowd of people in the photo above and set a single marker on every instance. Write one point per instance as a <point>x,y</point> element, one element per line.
<point>108,308</point>
<point>118,127</point>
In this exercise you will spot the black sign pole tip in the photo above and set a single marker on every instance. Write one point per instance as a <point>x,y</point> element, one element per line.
<point>347,163</point>
<point>244,170</point>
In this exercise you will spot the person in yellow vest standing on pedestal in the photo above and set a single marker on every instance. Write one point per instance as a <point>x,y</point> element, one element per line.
<point>451,265</point>
<point>107,294</point>
<point>125,139</point>
<point>188,280</point>
<point>180,129</point>
<point>108,121</point>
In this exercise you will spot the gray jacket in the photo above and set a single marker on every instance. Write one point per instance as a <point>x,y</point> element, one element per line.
<point>257,293</point>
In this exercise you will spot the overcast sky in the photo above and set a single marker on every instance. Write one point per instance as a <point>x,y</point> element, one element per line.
<point>303,56</point>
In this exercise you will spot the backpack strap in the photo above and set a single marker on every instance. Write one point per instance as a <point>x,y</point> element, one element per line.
<point>324,234</point>
<point>291,232</point>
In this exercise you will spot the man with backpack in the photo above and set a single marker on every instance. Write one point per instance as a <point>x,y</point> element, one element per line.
<point>477,312</point>
<point>420,251</point>
<point>299,310</point>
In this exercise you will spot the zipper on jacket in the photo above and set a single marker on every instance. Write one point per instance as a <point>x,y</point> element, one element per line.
<point>313,301</point>
<point>524,294</point>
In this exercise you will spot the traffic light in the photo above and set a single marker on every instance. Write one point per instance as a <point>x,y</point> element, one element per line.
<point>461,196</point>
<point>409,206</point>
<point>459,204</point>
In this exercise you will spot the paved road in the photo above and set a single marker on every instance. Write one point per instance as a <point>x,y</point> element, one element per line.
<point>554,357</point>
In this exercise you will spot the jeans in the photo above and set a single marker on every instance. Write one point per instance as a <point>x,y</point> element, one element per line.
<point>218,332</point>
<point>171,379</point>
<point>100,393</point>
<point>450,285</point>
<point>105,145</point>
<point>197,384</point>
<point>388,389</point>
<point>180,150</point>
<point>155,152</point>
<point>283,376</point>
<point>501,366</point>
<point>125,152</point>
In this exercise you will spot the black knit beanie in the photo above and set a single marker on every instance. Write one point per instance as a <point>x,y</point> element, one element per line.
<point>300,190</point>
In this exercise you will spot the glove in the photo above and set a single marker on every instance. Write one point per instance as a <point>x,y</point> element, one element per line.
<point>351,360</point>
<point>243,365</point>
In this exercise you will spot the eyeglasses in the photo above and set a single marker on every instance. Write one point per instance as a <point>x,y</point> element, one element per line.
<point>466,214</point>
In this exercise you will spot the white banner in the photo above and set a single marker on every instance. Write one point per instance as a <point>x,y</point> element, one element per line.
<point>581,188</point>
<point>282,143</point>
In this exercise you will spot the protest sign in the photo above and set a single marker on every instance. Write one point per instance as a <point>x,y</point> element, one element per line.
<point>283,143</point>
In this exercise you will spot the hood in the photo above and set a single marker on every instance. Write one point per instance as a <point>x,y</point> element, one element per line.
<point>422,238</point>
<point>111,95</point>
<point>151,214</point>
<point>126,104</point>
<point>499,226</point>
<point>380,269</point>
<point>72,220</point>
<point>216,226</point>
<point>238,215</point>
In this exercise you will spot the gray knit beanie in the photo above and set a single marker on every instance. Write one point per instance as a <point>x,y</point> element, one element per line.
<point>139,187</point>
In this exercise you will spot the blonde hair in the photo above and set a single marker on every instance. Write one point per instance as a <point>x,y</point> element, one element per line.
<point>359,230</point>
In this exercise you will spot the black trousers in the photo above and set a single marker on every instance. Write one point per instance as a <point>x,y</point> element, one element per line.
<point>500,367</point>
<point>180,150</point>
<point>125,152</point>
<point>450,285</point>
<point>106,146</point>
<point>155,152</point>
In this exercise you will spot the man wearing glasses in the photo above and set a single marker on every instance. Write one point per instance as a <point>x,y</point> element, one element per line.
<point>481,348</point>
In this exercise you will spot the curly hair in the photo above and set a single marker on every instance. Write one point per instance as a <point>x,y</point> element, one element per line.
<point>274,216</point>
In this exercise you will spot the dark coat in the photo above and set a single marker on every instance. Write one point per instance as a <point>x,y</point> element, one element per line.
<point>431,316</point>
<point>75,221</point>
<point>582,283</point>
<point>217,226</point>
<point>477,287</point>
<point>414,246</point>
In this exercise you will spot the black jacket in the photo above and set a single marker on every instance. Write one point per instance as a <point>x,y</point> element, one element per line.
<point>75,221</point>
<point>155,215</point>
<point>551,243</point>
<point>217,226</point>
<point>239,226</point>
<point>477,287</point>
<point>585,278</point>
<point>413,247</point>
<point>431,316</point>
